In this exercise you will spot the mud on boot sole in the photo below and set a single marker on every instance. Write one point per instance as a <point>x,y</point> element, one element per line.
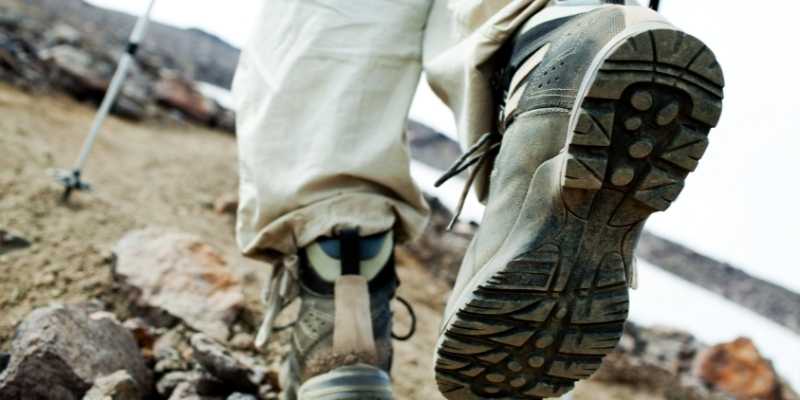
<point>548,317</point>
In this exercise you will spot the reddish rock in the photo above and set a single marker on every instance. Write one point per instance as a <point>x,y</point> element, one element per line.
<point>182,275</point>
<point>181,94</point>
<point>739,369</point>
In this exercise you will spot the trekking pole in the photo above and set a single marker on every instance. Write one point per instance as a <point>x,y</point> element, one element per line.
<point>71,179</point>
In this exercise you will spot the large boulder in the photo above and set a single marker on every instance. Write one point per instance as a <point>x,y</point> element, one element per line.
<point>182,275</point>
<point>68,348</point>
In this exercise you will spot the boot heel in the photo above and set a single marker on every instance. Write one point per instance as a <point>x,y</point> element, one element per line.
<point>643,124</point>
<point>361,381</point>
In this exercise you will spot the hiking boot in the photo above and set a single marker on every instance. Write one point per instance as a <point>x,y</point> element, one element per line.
<point>605,111</point>
<point>341,341</point>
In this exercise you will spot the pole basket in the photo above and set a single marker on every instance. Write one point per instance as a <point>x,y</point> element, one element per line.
<point>71,180</point>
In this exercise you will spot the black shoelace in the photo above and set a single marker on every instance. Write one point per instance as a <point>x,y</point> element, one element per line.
<point>476,155</point>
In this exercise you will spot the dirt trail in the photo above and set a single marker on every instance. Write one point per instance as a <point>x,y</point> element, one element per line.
<point>143,174</point>
<point>151,174</point>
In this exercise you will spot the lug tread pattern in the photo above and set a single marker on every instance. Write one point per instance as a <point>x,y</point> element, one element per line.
<point>664,89</point>
<point>547,318</point>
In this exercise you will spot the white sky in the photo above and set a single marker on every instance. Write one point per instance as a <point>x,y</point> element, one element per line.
<point>232,20</point>
<point>740,205</point>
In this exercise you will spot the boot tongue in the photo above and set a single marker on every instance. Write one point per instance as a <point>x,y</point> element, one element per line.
<point>352,330</point>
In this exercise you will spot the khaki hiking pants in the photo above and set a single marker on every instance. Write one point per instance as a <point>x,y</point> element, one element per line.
<point>323,92</point>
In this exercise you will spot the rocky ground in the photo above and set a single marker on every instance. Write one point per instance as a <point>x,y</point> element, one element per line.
<point>79,311</point>
<point>70,46</point>
<point>136,290</point>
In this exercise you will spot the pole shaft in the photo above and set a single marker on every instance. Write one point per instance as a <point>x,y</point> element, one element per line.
<point>105,107</point>
<point>115,86</point>
<point>141,25</point>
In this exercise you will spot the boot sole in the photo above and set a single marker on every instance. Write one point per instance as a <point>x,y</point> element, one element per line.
<point>354,382</point>
<point>543,321</point>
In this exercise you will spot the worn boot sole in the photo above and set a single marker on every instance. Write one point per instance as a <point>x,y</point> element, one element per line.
<point>531,328</point>
<point>355,382</point>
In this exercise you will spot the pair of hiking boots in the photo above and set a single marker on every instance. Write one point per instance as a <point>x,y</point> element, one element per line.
<point>604,112</point>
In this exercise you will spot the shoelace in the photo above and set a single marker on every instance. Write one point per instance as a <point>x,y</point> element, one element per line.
<point>476,155</point>
<point>282,289</point>
<point>411,329</point>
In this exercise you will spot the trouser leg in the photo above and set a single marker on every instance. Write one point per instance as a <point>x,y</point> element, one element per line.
<point>461,38</point>
<point>323,91</point>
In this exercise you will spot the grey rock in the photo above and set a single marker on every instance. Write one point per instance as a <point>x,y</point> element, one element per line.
<point>75,47</point>
<point>658,359</point>
<point>173,339</point>
<point>117,386</point>
<point>10,242</point>
<point>182,275</point>
<point>169,360</point>
<point>62,33</point>
<point>19,60</point>
<point>204,56</point>
<point>78,71</point>
<point>220,362</point>
<point>200,381</point>
<point>186,391</point>
<point>167,384</point>
<point>259,374</point>
<point>67,348</point>
<point>242,341</point>
<point>169,350</point>
<point>225,120</point>
<point>241,396</point>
